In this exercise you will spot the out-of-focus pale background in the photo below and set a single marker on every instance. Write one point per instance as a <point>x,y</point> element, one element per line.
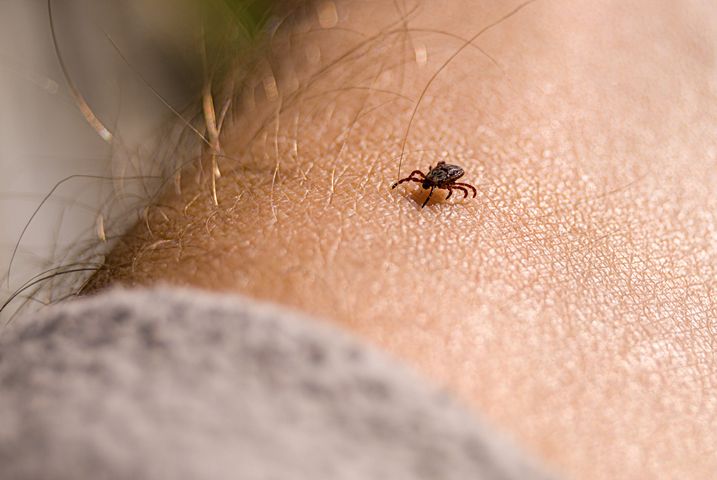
<point>44,138</point>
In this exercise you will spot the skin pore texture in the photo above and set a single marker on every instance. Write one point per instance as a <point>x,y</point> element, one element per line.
<point>572,303</point>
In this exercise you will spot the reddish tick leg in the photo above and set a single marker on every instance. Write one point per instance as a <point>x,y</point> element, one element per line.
<point>475,192</point>
<point>458,187</point>
<point>408,179</point>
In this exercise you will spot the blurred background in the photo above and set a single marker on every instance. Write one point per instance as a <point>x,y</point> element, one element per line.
<point>100,103</point>
<point>66,187</point>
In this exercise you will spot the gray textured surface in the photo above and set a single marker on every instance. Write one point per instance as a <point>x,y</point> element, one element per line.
<point>178,384</point>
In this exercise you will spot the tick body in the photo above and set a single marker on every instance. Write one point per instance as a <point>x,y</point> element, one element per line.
<point>444,176</point>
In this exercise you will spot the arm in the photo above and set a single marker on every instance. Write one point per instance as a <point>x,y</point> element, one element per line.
<point>572,301</point>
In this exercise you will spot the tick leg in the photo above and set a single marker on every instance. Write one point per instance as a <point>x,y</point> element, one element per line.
<point>450,192</point>
<point>458,187</point>
<point>407,179</point>
<point>469,186</point>
<point>428,197</point>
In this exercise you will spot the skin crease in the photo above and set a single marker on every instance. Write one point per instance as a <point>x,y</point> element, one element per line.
<point>572,303</point>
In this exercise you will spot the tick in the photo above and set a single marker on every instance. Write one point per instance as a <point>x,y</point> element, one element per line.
<point>444,176</point>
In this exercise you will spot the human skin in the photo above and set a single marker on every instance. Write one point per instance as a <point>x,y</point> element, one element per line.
<point>572,302</point>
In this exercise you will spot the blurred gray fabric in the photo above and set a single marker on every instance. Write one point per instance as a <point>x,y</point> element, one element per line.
<point>183,384</point>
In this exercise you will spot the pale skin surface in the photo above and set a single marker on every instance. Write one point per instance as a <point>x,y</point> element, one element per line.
<point>572,303</point>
